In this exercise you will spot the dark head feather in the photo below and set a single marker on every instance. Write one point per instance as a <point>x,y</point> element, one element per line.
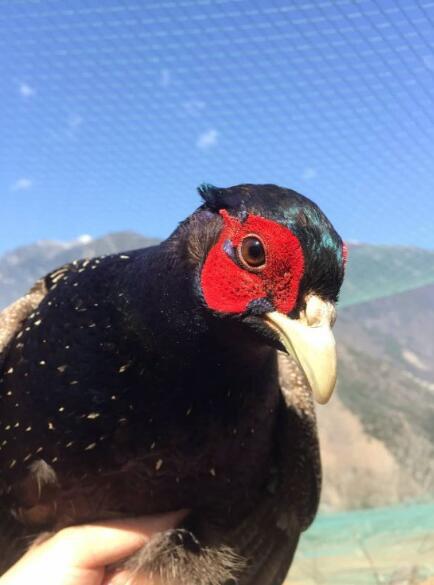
<point>219,198</point>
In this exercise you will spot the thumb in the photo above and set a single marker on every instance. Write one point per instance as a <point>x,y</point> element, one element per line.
<point>79,555</point>
<point>97,545</point>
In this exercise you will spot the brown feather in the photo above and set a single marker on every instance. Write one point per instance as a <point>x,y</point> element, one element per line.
<point>13,316</point>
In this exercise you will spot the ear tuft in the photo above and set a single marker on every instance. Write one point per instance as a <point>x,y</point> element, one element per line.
<point>217,198</point>
<point>211,195</point>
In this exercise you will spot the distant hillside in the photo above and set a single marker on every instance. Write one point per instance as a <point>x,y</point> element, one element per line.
<point>21,267</point>
<point>377,433</point>
<point>381,271</point>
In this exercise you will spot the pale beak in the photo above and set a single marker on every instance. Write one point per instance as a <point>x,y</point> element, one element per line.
<point>310,341</point>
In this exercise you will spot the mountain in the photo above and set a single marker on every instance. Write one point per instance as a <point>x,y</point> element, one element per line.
<point>21,267</point>
<point>380,271</point>
<point>377,434</point>
<point>384,408</point>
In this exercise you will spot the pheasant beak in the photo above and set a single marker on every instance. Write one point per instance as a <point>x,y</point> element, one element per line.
<point>311,342</point>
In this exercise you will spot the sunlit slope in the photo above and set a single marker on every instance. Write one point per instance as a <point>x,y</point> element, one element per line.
<point>377,433</point>
<point>379,271</point>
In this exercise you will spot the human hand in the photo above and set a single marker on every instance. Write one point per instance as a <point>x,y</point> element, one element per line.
<point>79,555</point>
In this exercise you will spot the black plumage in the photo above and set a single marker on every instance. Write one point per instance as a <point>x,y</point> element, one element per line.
<point>122,393</point>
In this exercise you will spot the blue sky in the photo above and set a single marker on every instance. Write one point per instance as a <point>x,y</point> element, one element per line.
<point>111,113</point>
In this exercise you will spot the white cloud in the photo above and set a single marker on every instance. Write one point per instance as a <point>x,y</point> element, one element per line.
<point>22,184</point>
<point>84,239</point>
<point>207,139</point>
<point>308,174</point>
<point>26,90</point>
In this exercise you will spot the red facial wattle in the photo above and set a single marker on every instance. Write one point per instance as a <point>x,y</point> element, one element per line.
<point>344,254</point>
<point>229,287</point>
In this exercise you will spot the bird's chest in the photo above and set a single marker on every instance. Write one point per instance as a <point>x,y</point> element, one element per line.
<point>138,440</point>
<point>213,455</point>
<point>203,440</point>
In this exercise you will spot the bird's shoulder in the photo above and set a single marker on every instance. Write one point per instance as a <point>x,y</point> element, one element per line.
<point>13,316</point>
<point>73,278</point>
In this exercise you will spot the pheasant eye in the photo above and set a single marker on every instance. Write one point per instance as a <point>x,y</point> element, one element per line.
<point>252,252</point>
